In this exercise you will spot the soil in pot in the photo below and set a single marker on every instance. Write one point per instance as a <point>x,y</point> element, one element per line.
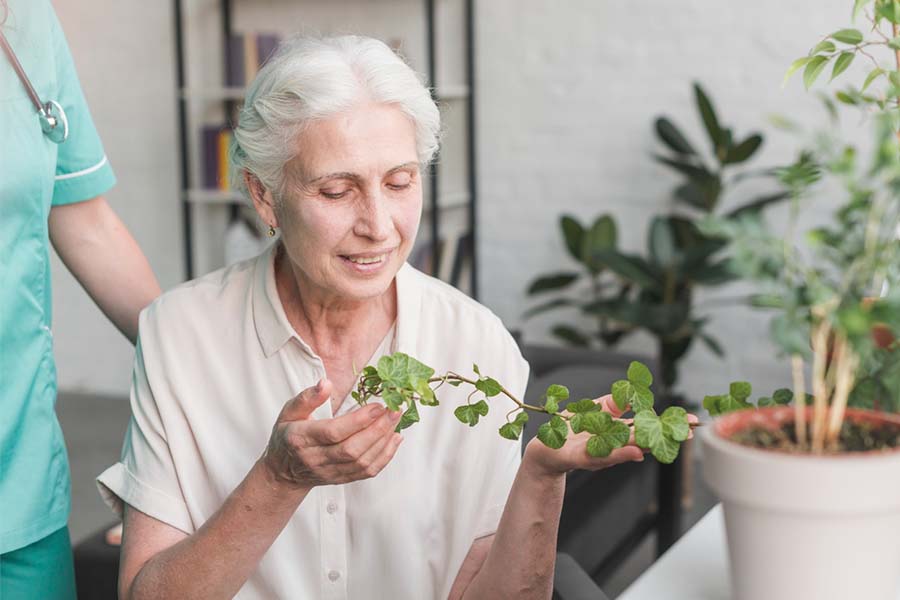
<point>856,436</point>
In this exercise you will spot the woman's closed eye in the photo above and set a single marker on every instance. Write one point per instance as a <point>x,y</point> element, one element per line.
<point>334,193</point>
<point>399,182</point>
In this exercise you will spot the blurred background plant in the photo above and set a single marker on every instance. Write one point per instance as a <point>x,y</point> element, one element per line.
<point>835,290</point>
<point>624,292</point>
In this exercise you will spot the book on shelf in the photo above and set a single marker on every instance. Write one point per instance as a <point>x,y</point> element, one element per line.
<point>216,140</point>
<point>247,54</point>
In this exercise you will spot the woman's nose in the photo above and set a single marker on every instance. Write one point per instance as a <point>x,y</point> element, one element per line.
<point>375,220</point>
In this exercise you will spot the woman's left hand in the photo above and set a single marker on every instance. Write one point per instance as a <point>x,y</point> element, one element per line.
<point>574,455</point>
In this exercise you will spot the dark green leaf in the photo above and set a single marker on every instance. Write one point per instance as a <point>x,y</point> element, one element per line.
<point>712,344</point>
<point>544,307</point>
<point>672,137</point>
<point>608,437</point>
<point>570,335</point>
<point>553,433</point>
<point>710,120</point>
<point>661,242</point>
<point>757,205</point>
<point>573,233</point>
<point>393,398</point>
<point>629,267</point>
<point>744,150</point>
<point>688,169</point>
<point>552,282</point>
<point>782,396</point>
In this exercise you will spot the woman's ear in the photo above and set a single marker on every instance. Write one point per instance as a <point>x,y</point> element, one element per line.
<point>262,199</point>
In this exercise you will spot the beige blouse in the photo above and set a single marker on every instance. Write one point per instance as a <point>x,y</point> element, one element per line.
<point>217,360</point>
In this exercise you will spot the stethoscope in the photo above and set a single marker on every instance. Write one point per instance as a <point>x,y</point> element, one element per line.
<point>53,118</point>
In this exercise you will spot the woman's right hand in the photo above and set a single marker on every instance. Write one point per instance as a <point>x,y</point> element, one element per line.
<point>304,452</point>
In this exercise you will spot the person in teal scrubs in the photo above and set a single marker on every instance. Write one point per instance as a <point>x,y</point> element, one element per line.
<point>50,192</point>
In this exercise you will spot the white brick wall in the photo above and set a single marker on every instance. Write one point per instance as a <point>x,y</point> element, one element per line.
<point>567,91</point>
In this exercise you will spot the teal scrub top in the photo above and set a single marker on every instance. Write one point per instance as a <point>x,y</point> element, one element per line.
<point>35,175</point>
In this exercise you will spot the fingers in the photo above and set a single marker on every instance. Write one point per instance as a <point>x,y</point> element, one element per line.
<point>609,405</point>
<point>327,432</point>
<point>359,446</point>
<point>302,405</point>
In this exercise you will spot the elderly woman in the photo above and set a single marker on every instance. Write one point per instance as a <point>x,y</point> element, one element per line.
<point>247,469</point>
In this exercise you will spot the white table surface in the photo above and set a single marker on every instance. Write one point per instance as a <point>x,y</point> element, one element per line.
<point>694,568</point>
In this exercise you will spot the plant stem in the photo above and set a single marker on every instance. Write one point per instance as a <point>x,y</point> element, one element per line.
<point>799,400</point>
<point>845,376</point>
<point>820,393</point>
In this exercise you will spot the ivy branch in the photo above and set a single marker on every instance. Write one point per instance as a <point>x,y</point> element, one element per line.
<point>404,383</point>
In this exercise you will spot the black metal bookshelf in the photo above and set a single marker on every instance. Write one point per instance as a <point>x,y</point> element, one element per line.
<point>192,195</point>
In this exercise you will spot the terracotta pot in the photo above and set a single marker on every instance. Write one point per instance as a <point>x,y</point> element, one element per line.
<point>805,526</point>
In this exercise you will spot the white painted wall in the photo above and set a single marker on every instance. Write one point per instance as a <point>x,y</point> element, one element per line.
<point>566,96</point>
<point>125,59</point>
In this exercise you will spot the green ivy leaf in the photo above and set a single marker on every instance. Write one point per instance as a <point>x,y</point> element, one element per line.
<point>582,406</point>
<point>553,433</point>
<point>639,373</point>
<point>490,387</point>
<point>740,390</point>
<point>621,393</point>
<point>513,430</point>
<point>675,423</point>
<point>475,368</point>
<point>843,61</point>
<point>393,398</point>
<point>783,396</point>
<point>510,431</point>
<point>848,36</point>
<point>589,421</point>
<point>614,435</point>
<point>551,406</point>
<point>666,450</point>
<point>765,402</point>
<point>470,413</point>
<point>558,393</point>
<point>409,417</point>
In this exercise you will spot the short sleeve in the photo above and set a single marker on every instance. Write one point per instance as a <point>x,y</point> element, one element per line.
<point>145,476</point>
<point>82,169</point>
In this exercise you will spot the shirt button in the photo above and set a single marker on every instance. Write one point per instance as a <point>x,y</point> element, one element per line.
<point>331,508</point>
<point>334,575</point>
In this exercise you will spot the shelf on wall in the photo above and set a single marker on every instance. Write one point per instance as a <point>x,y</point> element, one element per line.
<point>219,94</point>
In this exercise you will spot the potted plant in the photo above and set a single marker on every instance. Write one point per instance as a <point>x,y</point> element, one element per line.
<point>811,492</point>
<point>624,292</point>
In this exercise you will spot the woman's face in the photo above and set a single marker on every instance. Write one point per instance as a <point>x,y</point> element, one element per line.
<point>352,202</point>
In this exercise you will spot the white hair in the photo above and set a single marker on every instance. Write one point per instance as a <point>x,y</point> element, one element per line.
<point>315,78</point>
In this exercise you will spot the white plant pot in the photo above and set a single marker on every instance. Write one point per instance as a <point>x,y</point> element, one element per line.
<point>804,527</point>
